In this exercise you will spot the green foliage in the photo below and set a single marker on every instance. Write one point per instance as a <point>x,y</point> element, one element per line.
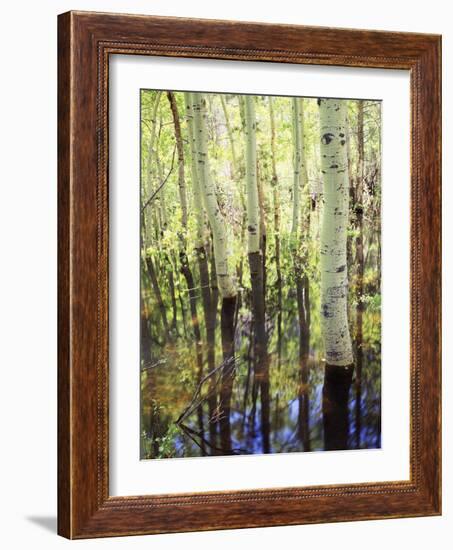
<point>166,446</point>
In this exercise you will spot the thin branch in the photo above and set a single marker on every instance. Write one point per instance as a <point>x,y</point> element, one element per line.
<point>227,364</point>
<point>156,192</point>
<point>192,434</point>
<point>149,366</point>
<point>145,122</point>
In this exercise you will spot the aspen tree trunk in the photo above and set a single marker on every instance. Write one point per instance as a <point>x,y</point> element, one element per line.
<point>200,235</point>
<point>276,201</point>
<point>300,235</point>
<point>334,270</point>
<point>202,257</point>
<point>241,101</point>
<point>199,216</point>
<point>170,260</point>
<point>360,268</point>
<point>149,168</point>
<point>352,202</point>
<point>262,226</point>
<point>236,176</point>
<point>297,139</point>
<point>235,173</point>
<point>225,279</point>
<point>256,270</point>
<point>253,215</point>
<point>185,267</point>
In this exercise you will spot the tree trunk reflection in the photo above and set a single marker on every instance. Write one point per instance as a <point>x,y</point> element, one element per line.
<point>335,400</point>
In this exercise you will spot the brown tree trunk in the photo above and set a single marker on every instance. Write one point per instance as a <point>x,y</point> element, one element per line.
<point>185,269</point>
<point>335,399</point>
<point>171,284</point>
<point>145,337</point>
<point>263,237</point>
<point>226,390</point>
<point>213,403</point>
<point>160,303</point>
<point>180,150</point>
<point>303,306</point>
<point>260,351</point>
<point>276,201</point>
<point>210,323</point>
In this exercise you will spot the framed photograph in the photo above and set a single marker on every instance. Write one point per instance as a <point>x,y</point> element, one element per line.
<point>249,275</point>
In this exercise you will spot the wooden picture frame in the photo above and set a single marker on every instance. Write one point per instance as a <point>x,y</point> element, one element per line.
<point>85,42</point>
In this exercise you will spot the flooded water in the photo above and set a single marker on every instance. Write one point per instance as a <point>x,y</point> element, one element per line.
<point>303,410</point>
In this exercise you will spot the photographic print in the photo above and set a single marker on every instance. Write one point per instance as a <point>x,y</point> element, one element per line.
<point>260,283</point>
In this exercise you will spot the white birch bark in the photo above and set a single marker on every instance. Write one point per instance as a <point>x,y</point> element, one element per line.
<point>334,271</point>
<point>253,213</point>
<point>297,175</point>
<point>230,137</point>
<point>225,279</point>
<point>197,200</point>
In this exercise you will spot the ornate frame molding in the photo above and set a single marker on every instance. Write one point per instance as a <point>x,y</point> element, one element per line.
<point>86,40</point>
